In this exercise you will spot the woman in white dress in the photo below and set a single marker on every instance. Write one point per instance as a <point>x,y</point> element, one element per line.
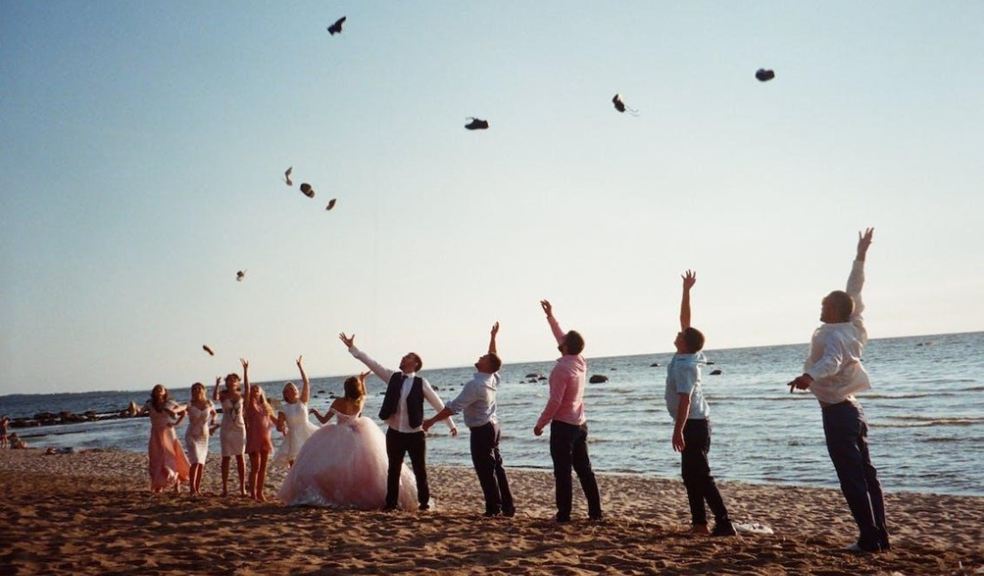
<point>233,430</point>
<point>343,465</point>
<point>201,418</point>
<point>293,421</point>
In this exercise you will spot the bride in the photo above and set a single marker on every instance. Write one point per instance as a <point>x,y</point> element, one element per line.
<point>343,465</point>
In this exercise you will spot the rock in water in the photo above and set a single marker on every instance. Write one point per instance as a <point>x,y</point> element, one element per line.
<point>598,379</point>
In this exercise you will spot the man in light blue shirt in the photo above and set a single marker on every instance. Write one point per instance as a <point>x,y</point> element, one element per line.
<point>691,424</point>
<point>476,403</point>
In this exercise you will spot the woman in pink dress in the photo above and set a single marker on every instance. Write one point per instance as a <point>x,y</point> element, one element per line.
<point>259,417</point>
<point>344,464</point>
<point>168,463</point>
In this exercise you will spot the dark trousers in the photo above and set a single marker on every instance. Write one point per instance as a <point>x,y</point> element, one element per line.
<point>697,473</point>
<point>569,449</point>
<point>488,465</point>
<point>398,444</point>
<point>847,443</point>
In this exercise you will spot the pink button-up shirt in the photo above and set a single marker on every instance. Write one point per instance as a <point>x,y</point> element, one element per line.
<point>566,403</point>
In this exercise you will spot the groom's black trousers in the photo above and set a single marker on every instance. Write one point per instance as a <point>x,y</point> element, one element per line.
<point>398,444</point>
<point>488,465</point>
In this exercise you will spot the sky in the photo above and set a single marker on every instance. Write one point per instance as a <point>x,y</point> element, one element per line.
<point>142,148</point>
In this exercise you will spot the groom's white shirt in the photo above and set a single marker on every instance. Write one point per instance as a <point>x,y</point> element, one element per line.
<point>399,420</point>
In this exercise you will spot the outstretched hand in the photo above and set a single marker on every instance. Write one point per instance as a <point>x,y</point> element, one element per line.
<point>689,279</point>
<point>495,329</point>
<point>244,362</point>
<point>864,242</point>
<point>348,340</point>
<point>300,360</point>
<point>547,308</point>
<point>801,382</point>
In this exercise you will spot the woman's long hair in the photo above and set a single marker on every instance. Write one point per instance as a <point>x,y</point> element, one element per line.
<point>158,389</point>
<point>355,390</point>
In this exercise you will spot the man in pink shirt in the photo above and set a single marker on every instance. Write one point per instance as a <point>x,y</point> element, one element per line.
<point>568,424</point>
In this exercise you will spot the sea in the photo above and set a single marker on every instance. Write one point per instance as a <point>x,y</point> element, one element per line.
<point>925,413</point>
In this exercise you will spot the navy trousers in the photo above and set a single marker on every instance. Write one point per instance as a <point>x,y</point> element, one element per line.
<point>398,445</point>
<point>846,432</point>
<point>697,473</point>
<point>488,465</point>
<point>569,450</point>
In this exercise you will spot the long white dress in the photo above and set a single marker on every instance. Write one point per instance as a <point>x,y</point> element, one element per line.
<point>343,465</point>
<point>196,435</point>
<point>299,429</point>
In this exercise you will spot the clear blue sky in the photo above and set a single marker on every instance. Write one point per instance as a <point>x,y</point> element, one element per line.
<point>143,144</point>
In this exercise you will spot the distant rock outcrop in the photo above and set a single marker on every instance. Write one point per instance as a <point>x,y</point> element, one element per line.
<point>598,379</point>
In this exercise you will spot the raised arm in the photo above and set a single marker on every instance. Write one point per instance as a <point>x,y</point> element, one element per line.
<point>495,331</point>
<point>689,279</point>
<point>855,282</point>
<point>306,388</point>
<point>245,364</point>
<point>215,391</point>
<point>378,369</point>
<point>559,334</point>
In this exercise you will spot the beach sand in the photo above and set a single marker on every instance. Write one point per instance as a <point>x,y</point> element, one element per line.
<point>92,513</point>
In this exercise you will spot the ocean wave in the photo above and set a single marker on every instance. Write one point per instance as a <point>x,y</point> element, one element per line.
<point>919,422</point>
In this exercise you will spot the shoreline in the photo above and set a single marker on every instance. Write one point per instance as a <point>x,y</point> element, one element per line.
<point>109,523</point>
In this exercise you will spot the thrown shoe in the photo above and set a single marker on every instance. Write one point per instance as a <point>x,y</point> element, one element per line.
<point>477,124</point>
<point>763,75</point>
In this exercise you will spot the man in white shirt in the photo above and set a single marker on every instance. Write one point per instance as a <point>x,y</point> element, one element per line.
<point>476,402</point>
<point>403,411</point>
<point>834,373</point>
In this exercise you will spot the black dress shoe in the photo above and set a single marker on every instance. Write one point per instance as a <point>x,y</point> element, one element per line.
<point>490,514</point>
<point>509,512</point>
<point>562,518</point>
<point>477,124</point>
<point>724,528</point>
<point>424,507</point>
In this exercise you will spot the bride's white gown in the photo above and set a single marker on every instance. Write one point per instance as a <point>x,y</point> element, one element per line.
<point>343,465</point>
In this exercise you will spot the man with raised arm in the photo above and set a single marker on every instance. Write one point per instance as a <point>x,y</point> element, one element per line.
<point>403,411</point>
<point>691,422</point>
<point>834,374</point>
<point>568,424</point>
<point>477,404</point>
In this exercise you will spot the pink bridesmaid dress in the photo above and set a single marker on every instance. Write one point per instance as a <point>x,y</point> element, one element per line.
<point>258,425</point>
<point>168,463</point>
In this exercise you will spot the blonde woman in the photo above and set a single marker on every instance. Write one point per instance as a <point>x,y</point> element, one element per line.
<point>344,464</point>
<point>259,445</point>
<point>201,419</point>
<point>293,419</point>
<point>233,430</point>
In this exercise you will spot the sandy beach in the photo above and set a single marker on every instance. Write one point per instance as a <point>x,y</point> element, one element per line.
<point>92,513</point>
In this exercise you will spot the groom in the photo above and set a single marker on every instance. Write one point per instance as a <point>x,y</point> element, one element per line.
<point>403,411</point>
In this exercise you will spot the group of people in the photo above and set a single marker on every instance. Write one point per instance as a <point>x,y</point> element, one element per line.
<point>351,463</point>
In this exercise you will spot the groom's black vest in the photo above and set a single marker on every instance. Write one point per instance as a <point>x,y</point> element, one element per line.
<point>415,400</point>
